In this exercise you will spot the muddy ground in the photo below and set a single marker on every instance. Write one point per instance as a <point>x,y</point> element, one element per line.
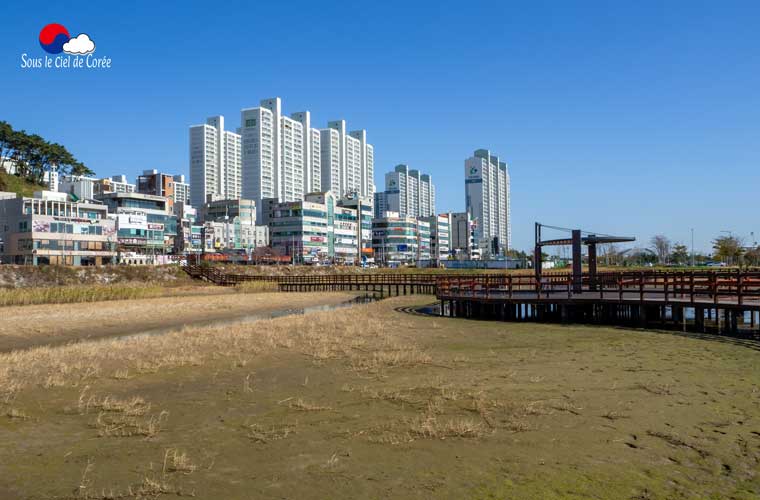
<point>414,407</point>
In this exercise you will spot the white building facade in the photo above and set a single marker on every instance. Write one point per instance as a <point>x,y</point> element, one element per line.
<point>409,192</point>
<point>487,193</point>
<point>440,237</point>
<point>285,158</point>
<point>215,162</point>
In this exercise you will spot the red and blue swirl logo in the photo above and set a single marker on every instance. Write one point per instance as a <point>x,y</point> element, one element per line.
<point>53,37</point>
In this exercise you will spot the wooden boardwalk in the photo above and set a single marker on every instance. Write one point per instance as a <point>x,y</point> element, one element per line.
<point>709,301</point>
<point>703,301</point>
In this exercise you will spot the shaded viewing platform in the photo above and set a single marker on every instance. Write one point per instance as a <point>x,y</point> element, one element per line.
<point>724,302</point>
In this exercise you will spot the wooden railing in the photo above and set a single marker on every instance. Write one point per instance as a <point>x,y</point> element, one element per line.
<point>689,286</point>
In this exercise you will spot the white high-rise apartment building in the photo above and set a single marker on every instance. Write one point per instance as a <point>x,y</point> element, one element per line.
<point>488,199</point>
<point>348,161</point>
<point>331,161</point>
<point>312,154</point>
<point>284,158</point>
<point>280,153</point>
<point>215,162</point>
<point>409,192</point>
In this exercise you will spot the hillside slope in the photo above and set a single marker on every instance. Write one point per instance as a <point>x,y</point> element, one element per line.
<point>18,185</point>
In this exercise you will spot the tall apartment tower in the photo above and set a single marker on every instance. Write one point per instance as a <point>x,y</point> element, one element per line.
<point>361,179</point>
<point>487,200</point>
<point>260,155</point>
<point>348,161</point>
<point>215,162</point>
<point>281,154</point>
<point>284,158</point>
<point>331,157</point>
<point>409,192</point>
<point>312,154</point>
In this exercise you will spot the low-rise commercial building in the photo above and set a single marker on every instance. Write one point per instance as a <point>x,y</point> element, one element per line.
<point>49,229</point>
<point>220,210</point>
<point>462,231</point>
<point>398,239</point>
<point>231,225</point>
<point>315,230</point>
<point>440,237</point>
<point>143,222</point>
<point>423,241</point>
<point>80,187</point>
<point>299,229</point>
<point>172,187</point>
<point>365,213</point>
<point>188,230</point>
<point>342,229</point>
<point>224,236</point>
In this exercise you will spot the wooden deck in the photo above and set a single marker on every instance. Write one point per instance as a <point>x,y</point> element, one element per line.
<point>716,301</point>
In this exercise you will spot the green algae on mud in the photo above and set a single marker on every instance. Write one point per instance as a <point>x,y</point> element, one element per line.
<point>393,405</point>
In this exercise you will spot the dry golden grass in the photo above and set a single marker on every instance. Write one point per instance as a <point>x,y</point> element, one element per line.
<point>125,425</point>
<point>357,335</point>
<point>15,413</point>
<point>261,434</point>
<point>23,327</point>
<point>301,405</point>
<point>256,287</point>
<point>74,294</point>
<point>431,427</point>
<point>177,461</point>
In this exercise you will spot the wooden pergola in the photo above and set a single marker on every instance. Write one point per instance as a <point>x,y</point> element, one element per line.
<point>576,240</point>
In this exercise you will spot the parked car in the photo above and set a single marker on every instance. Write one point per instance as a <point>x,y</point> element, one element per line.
<point>716,264</point>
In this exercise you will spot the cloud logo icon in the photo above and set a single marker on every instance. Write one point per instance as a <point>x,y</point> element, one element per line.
<point>80,45</point>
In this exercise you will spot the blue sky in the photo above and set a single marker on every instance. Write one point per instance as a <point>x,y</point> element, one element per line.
<point>621,117</point>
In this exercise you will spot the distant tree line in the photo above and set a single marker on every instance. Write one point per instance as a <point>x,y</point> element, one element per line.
<point>729,249</point>
<point>31,155</point>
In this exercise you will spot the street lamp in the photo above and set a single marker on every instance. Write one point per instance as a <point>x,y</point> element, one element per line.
<point>692,247</point>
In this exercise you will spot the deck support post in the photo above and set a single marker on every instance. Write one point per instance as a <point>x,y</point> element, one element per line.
<point>563,313</point>
<point>734,321</point>
<point>699,319</point>
<point>643,316</point>
<point>577,262</point>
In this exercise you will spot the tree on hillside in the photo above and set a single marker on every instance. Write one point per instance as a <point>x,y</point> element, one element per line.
<point>6,139</point>
<point>728,249</point>
<point>33,155</point>
<point>680,255</point>
<point>661,247</point>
